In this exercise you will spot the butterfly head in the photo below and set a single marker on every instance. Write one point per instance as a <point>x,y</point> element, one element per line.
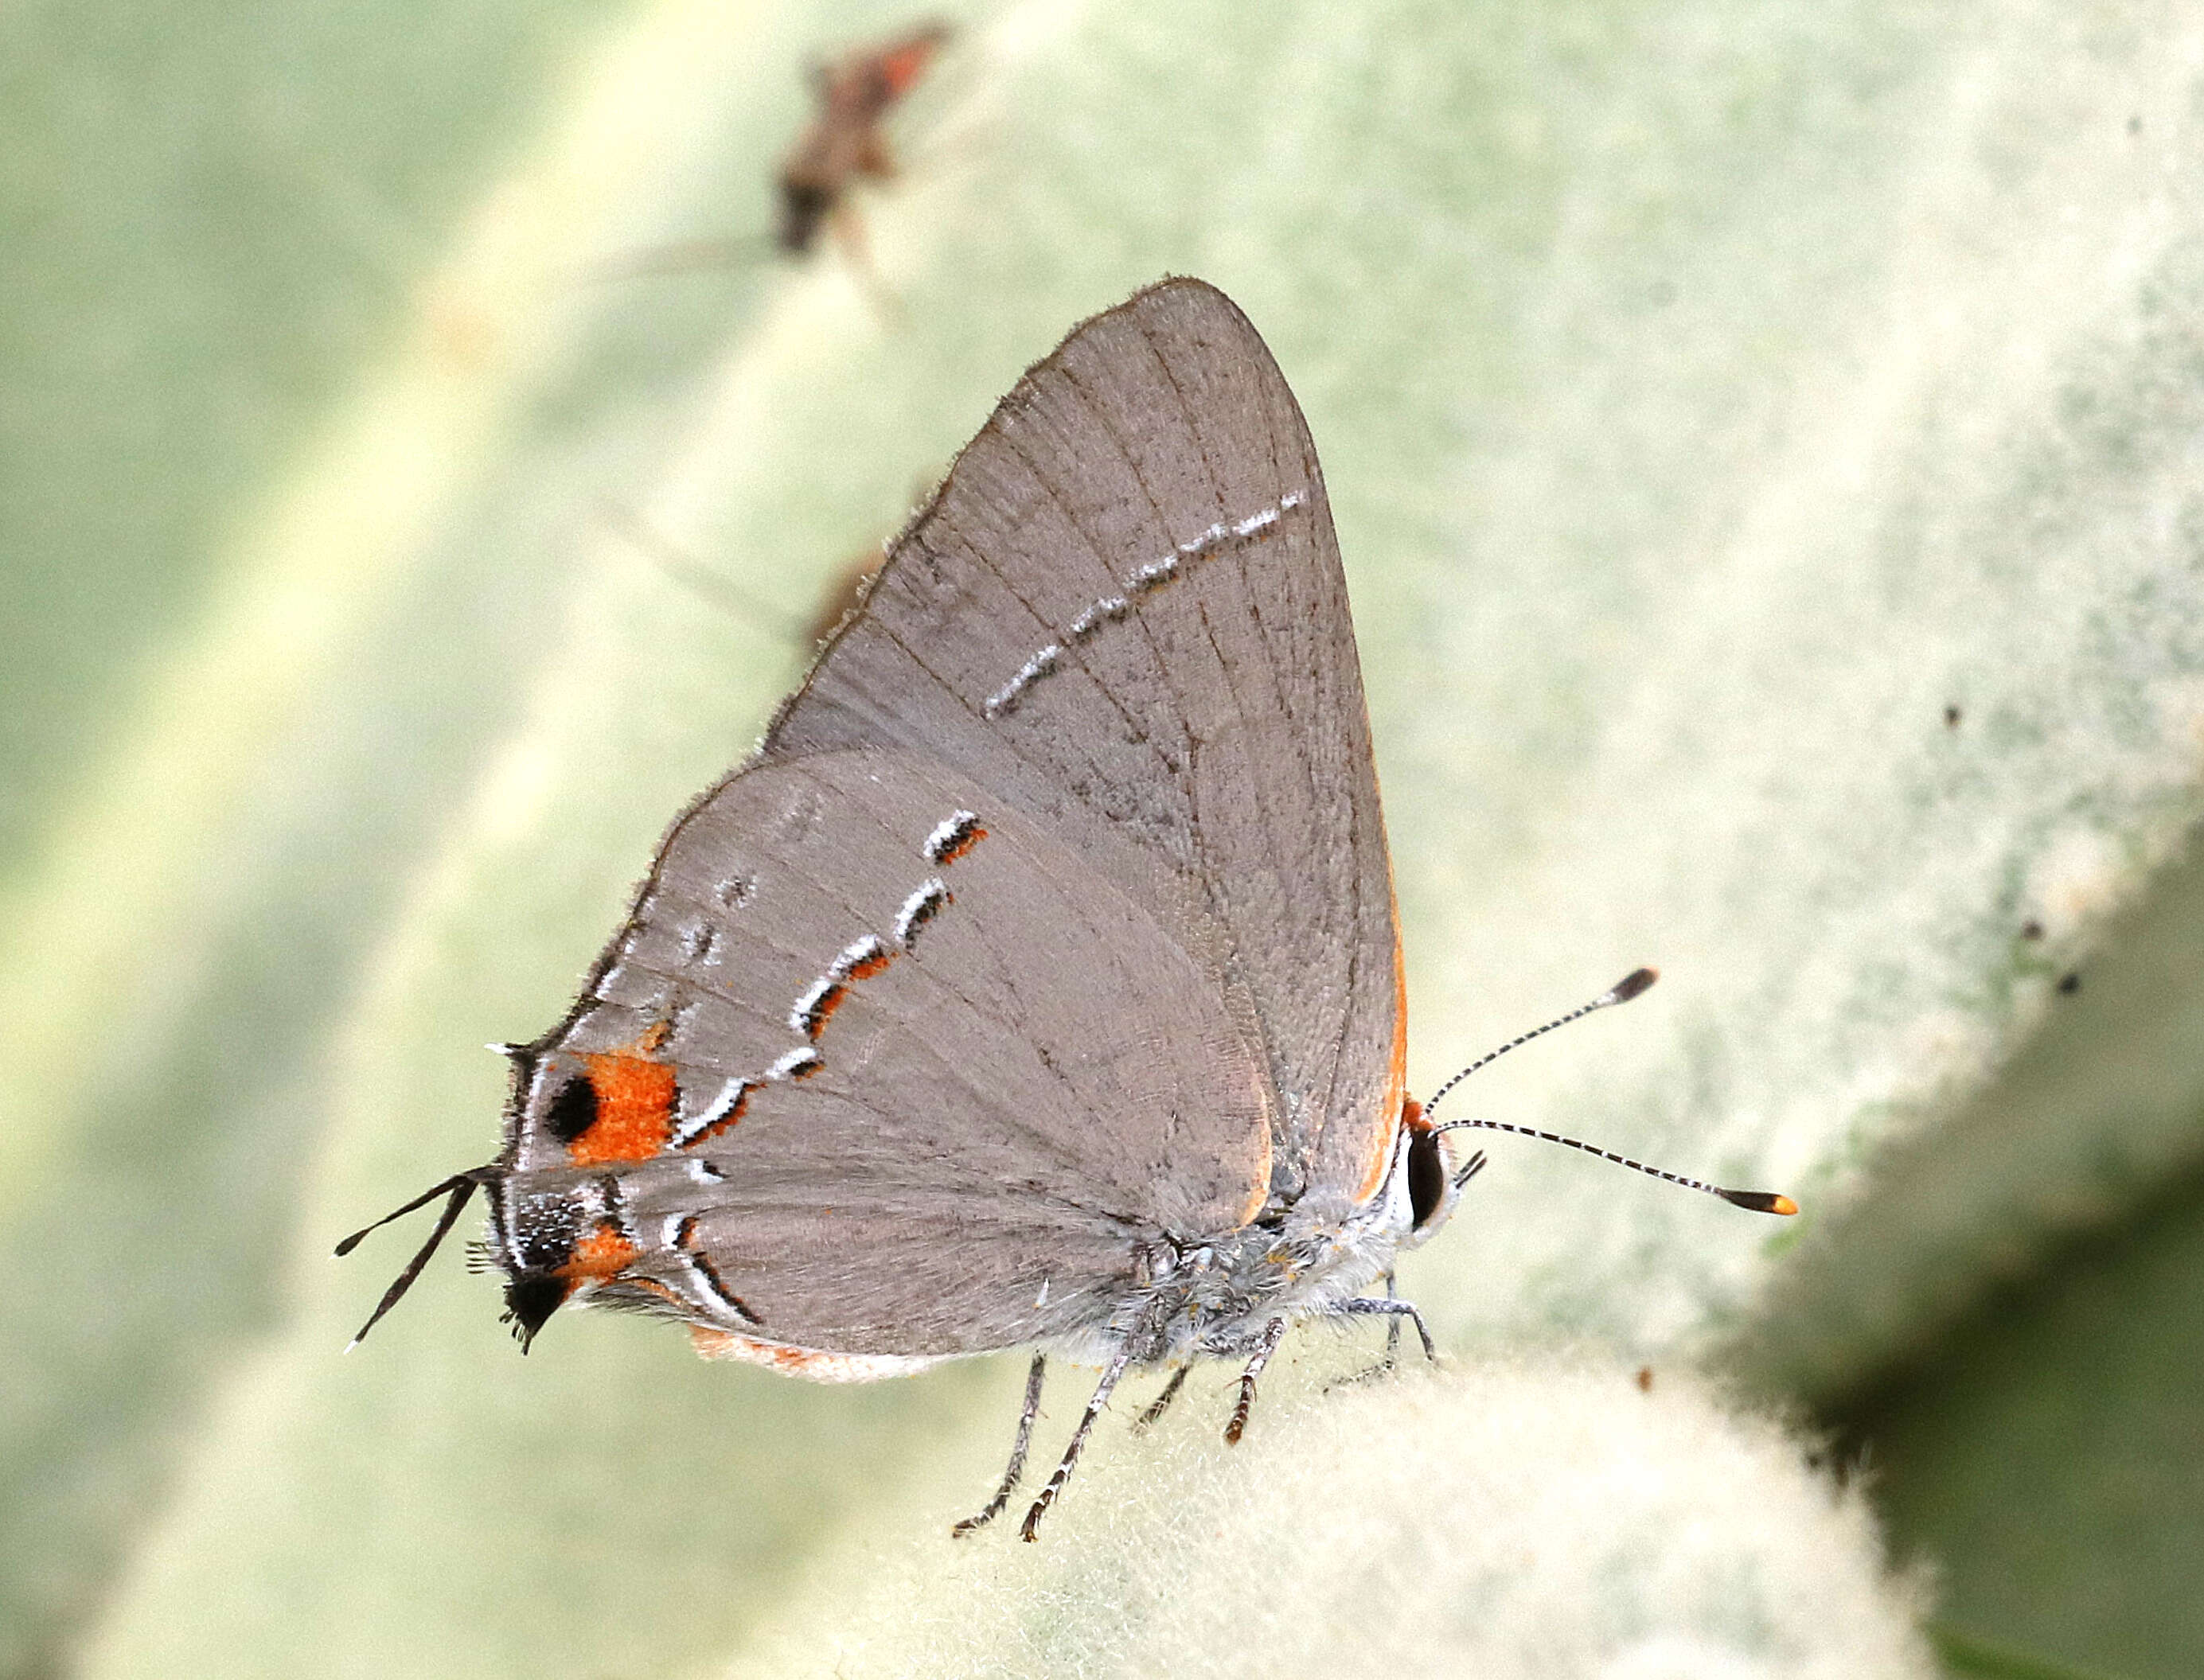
<point>1427,1168</point>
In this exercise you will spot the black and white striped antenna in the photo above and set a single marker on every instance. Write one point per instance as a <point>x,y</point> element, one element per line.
<point>1632,984</point>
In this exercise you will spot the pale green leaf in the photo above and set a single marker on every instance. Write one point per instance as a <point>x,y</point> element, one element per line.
<point>1714,401</point>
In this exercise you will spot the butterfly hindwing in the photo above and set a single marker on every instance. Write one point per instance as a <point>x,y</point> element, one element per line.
<point>883,1063</point>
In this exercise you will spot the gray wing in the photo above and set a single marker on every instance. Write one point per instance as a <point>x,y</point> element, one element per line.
<point>1124,612</point>
<point>880,1066</point>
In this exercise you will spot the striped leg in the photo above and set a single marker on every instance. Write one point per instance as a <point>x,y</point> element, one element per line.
<point>994,1507</point>
<point>1111,1372</point>
<point>1272,1333</point>
<point>1161,1404</point>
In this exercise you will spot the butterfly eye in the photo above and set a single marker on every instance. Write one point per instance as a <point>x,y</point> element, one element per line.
<point>1427,1176</point>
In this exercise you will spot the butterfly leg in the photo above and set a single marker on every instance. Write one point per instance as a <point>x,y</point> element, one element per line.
<point>1387,1365</point>
<point>1017,1466</point>
<point>1363,1306</point>
<point>1111,1372</point>
<point>1161,1404</point>
<point>1271,1333</point>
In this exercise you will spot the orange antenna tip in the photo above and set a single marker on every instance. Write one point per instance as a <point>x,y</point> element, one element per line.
<point>1759,1201</point>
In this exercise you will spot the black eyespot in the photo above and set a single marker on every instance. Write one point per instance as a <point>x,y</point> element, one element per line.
<point>574,1111</point>
<point>1427,1178</point>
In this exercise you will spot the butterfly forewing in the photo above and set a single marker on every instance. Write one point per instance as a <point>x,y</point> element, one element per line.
<point>1124,613</point>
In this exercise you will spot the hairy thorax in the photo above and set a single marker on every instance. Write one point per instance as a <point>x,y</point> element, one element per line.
<point>1217,1299</point>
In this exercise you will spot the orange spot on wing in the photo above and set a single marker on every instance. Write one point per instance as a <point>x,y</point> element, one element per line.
<point>818,1367</point>
<point>636,1099</point>
<point>871,966</point>
<point>823,1011</point>
<point>971,838</point>
<point>734,1113</point>
<point>603,1253</point>
<point>712,1344</point>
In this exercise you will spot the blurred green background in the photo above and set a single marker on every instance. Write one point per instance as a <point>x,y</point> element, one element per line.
<point>1710,397</point>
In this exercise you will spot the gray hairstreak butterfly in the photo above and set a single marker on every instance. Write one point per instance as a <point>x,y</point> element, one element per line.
<point>1037,981</point>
